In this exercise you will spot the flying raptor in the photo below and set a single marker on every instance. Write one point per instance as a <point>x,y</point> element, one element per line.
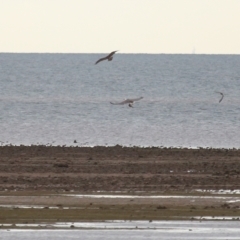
<point>109,57</point>
<point>127,101</point>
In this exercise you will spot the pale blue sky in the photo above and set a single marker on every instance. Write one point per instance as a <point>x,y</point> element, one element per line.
<point>131,26</point>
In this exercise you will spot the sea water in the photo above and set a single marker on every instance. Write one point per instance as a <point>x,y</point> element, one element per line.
<point>136,230</point>
<point>64,99</point>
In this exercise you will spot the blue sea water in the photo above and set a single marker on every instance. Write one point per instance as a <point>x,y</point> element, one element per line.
<point>55,99</point>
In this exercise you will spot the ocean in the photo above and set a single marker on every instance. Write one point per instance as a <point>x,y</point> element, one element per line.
<point>64,99</point>
<point>132,230</point>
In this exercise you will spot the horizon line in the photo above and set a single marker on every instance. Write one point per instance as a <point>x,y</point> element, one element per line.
<point>120,53</point>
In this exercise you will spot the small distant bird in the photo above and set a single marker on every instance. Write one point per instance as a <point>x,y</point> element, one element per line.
<point>127,101</point>
<point>221,97</point>
<point>109,57</point>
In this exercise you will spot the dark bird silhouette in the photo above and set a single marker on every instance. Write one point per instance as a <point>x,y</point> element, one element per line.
<point>109,57</point>
<point>127,101</point>
<point>221,97</point>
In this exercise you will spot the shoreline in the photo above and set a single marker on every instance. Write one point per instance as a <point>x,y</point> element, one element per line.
<point>47,208</point>
<point>75,145</point>
<point>117,168</point>
<point>44,176</point>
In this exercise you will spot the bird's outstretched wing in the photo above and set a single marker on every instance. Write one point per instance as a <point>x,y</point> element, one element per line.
<point>134,99</point>
<point>101,59</point>
<point>109,55</point>
<point>221,97</point>
<point>127,101</point>
<point>105,58</point>
<point>118,103</point>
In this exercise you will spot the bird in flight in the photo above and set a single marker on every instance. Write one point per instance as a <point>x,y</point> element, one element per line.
<point>127,101</point>
<point>109,57</point>
<point>221,97</point>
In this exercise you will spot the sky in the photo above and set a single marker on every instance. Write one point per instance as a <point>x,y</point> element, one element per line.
<point>130,26</point>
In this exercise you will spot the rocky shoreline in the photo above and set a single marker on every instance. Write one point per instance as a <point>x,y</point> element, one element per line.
<point>42,183</point>
<point>117,168</point>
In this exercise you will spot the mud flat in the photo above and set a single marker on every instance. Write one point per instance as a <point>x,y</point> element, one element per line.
<point>64,184</point>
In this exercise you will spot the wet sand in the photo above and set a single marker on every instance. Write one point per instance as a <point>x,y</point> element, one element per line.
<point>38,175</point>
